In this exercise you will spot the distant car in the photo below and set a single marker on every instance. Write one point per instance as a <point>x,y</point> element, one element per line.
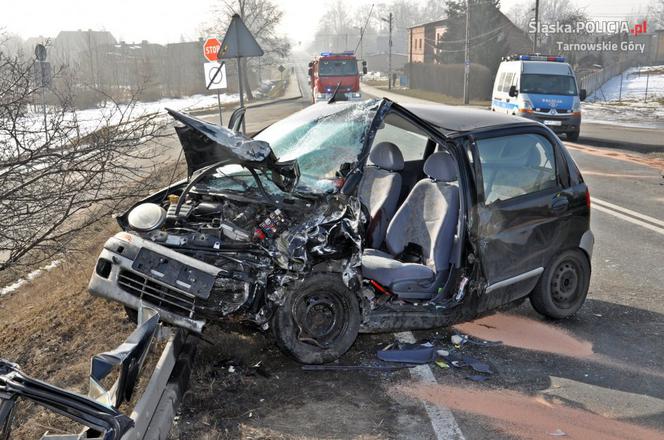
<point>542,88</point>
<point>357,217</point>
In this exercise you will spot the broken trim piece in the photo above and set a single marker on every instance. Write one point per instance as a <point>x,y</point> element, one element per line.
<point>514,280</point>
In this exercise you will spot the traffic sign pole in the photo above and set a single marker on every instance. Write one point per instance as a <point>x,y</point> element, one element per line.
<point>40,54</point>
<point>239,74</point>
<point>221,122</point>
<point>239,43</point>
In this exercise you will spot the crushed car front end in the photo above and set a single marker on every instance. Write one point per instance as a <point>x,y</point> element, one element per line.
<point>246,226</point>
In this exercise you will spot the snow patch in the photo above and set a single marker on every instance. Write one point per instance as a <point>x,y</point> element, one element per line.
<point>629,106</point>
<point>29,277</point>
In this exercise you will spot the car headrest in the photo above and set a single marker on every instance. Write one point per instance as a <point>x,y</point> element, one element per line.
<point>441,166</point>
<point>387,156</point>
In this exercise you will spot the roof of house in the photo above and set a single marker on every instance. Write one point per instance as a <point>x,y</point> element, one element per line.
<point>429,23</point>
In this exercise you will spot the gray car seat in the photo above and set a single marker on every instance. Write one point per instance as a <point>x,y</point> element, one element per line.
<point>380,188</point>
<point>428,219</point>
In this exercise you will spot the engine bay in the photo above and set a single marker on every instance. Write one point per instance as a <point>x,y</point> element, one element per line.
<point>258,247</point>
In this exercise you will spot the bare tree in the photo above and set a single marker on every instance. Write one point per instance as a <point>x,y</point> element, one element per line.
<point>656,14</point>
<point>54,186</point>
<point>262,18</point>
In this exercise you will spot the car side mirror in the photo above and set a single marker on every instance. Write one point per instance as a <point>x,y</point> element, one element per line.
<point>364,70</point>
<point>311,64</point>
<point>235,121</point>
<point>513,92</point>
<point>582,94</point>
<point>310,71</point>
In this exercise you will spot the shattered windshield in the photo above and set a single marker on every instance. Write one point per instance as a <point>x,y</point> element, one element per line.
<point>323,140</point>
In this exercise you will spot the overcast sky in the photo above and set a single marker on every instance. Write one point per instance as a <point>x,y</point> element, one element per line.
<point>163,21</point>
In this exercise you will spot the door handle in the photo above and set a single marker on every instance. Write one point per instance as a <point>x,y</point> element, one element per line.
<point>559,204</point>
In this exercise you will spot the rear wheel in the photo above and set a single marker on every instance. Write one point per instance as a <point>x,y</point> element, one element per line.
<point>319,321</point>
<point>573,136</point>
<point>563,287</point>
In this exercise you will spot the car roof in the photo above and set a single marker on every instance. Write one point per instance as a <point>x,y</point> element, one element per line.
<point>451,118</point>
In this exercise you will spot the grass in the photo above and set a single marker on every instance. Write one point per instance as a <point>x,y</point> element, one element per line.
<point>437,97</point>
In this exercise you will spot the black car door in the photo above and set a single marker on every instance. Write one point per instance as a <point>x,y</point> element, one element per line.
<point>522,211</point>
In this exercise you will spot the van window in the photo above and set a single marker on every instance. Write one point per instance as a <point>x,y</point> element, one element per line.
<point>516,165</point>
<point>499,82</point>
<point>548,84</point>
<point>507,82</point>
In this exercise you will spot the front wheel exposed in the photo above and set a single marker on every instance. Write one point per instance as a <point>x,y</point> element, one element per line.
<point>562,289</point>
<point>319,320</point>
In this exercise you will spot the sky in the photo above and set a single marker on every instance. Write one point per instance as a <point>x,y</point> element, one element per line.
<point>165,21</point>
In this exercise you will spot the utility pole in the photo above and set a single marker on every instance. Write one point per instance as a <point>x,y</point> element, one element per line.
<point>466,61</point>
<point>389,55</point>
<point>536,26</point>
<point>361,43</point>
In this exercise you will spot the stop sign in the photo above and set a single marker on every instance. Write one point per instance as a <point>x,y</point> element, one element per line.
<point>211,48</point>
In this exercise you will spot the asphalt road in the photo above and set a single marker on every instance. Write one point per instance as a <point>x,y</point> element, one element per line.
<point>643,140</point>
<point>596,375</point>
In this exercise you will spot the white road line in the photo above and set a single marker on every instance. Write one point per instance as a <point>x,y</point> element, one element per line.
<point>638,215</point>
<point>442,420</point>
<point>598,207</point>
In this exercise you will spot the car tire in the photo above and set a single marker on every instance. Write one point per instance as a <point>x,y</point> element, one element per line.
<point>319,320</point>
<point>563,287</point>
<point>573,136</point>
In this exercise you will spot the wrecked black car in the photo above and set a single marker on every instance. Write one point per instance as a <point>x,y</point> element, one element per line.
<point>357,217</point>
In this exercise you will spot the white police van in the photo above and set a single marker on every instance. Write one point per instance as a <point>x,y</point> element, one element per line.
<point>539,87</point>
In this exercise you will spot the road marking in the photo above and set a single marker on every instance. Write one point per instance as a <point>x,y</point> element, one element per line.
<point>629,219</point>
<point>629,212</point>
<point>443,423</point>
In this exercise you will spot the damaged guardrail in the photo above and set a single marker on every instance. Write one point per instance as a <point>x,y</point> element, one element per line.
<point>98,412</point>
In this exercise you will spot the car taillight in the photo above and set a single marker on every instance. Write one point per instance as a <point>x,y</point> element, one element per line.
<point>588,198</point>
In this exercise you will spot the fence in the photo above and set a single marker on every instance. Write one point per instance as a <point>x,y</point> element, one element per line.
<point>447,79</point>
<point>594,81</point>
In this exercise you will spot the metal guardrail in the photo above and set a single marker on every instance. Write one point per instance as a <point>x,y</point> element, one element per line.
<point>153,414</point>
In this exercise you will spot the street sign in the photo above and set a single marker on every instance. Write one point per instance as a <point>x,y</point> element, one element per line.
<point>215,79</point>
<point>211,48</point>
<point>281,68</point>
<point>238,41</point>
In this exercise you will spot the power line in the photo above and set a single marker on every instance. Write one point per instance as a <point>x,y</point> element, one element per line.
<point>362,29</point>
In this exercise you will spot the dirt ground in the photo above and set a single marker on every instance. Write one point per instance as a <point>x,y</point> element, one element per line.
<point>242,386</point>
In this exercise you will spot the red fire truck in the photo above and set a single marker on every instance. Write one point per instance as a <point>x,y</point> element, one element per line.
<point>331,70</point>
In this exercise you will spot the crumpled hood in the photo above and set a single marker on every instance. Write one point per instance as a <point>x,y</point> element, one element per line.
<point>205,144</point>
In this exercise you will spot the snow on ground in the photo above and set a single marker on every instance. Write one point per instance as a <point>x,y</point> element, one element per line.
<point>29,277</point>
<point>629,106</point>
<point>89,120</point>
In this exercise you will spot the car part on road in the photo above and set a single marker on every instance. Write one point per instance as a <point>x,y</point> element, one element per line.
<point>477,378</point>
<point>337,367</point>
<point>408,353</point>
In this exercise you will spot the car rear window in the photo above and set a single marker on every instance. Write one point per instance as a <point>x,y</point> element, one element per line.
<point>516,165</point>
